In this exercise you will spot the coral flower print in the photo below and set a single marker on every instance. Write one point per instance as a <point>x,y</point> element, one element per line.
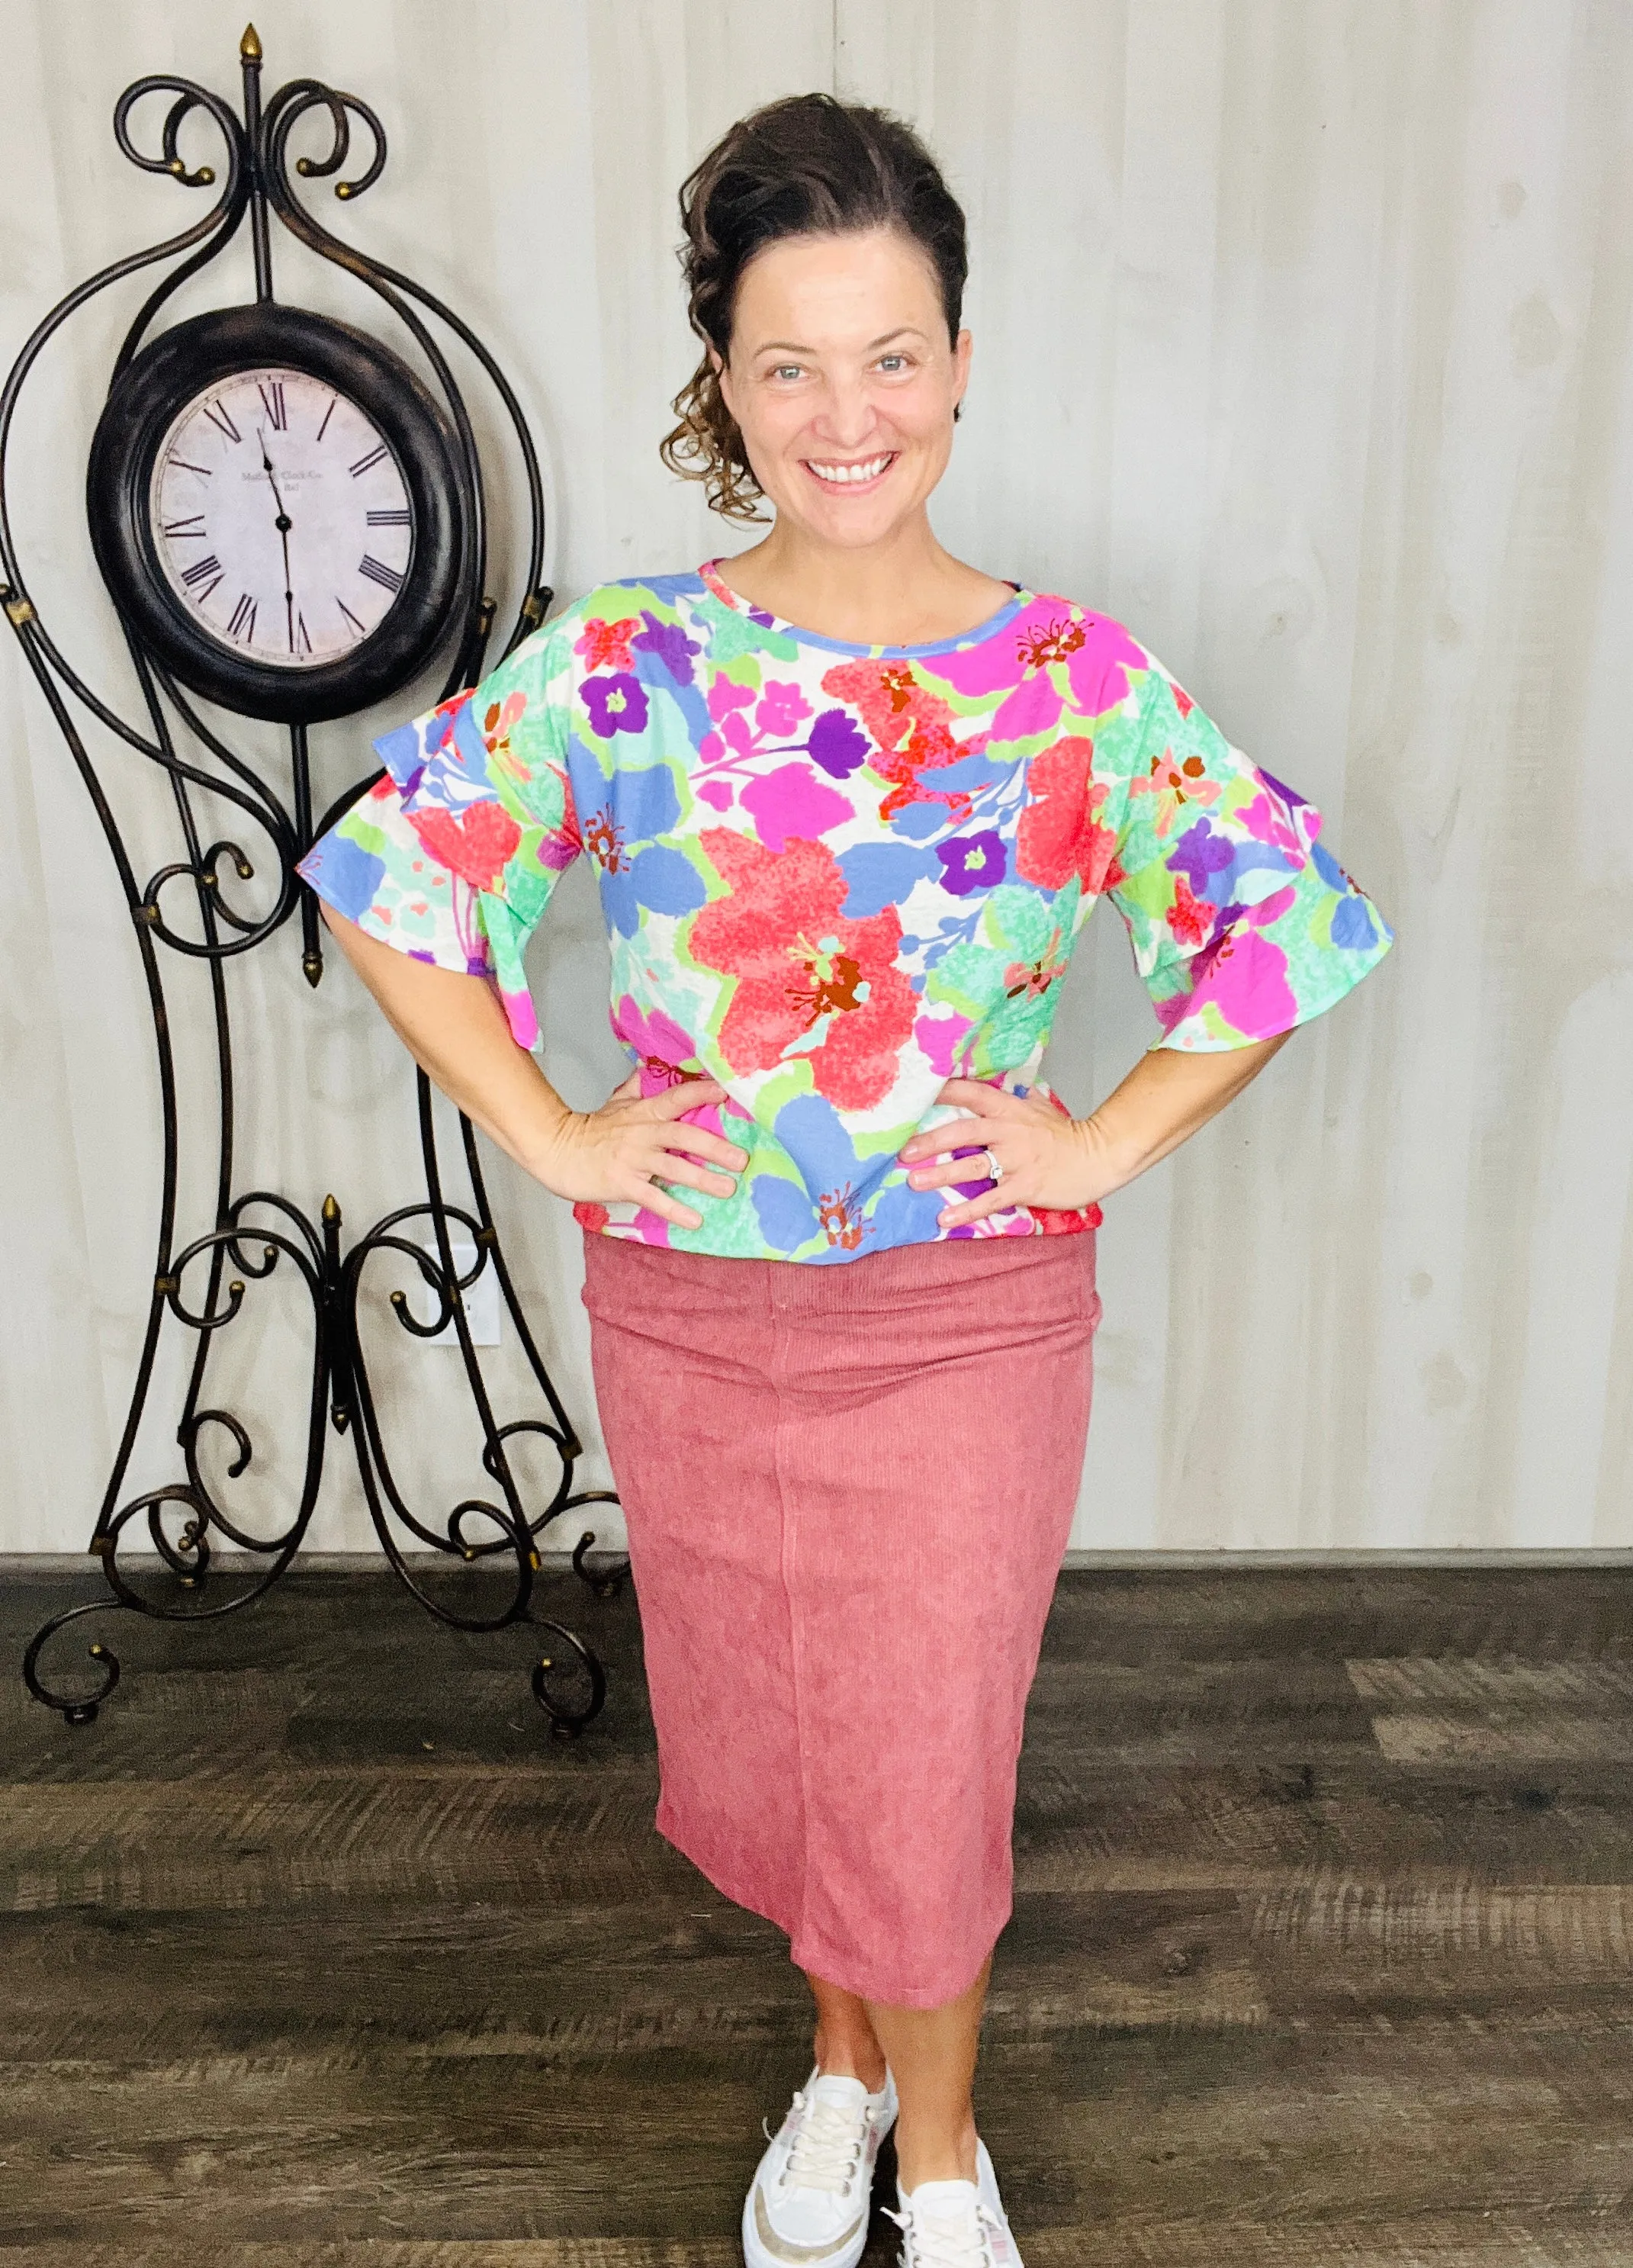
<point>606,645</point>
<point>1059,833</point>
<point>834,876</point>
<point>799,964</point>
<point>476,843</point>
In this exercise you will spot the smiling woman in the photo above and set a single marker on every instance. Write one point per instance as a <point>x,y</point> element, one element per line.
<point>850,801</point>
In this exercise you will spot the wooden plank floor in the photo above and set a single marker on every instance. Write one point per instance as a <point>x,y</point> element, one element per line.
<point>316,1948</point>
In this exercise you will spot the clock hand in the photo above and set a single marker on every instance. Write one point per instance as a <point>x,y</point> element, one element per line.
<point>283,524</point>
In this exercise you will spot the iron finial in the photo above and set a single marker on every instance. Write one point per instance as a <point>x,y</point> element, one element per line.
<point>249,45</point>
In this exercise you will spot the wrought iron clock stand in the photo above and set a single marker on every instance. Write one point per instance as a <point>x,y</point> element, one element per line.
<point>254,1231</point>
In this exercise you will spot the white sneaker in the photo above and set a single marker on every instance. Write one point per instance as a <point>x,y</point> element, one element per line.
<point>808,2201</point>
<point>956,2223</point>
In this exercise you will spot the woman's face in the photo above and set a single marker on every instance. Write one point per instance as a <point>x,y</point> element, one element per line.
<point>843,382</point>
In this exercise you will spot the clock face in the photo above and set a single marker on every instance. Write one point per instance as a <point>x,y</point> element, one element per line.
<point>281,518</point>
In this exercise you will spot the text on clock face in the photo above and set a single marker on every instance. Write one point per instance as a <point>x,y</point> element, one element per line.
<point>281,517</point>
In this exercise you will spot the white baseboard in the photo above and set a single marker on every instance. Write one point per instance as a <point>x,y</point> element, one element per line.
<point>1155,1562</point>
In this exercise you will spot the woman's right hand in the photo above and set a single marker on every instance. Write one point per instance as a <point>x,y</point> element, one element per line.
<point>627,1150</point>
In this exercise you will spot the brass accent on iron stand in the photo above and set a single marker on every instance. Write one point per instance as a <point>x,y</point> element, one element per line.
<point>259,1230</point>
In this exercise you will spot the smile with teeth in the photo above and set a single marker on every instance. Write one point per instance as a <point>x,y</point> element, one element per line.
<point>866,468</point>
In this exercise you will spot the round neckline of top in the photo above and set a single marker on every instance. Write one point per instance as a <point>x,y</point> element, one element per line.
<point>710,576</point>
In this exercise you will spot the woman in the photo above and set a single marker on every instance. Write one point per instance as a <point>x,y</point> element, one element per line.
<point>850,801</point>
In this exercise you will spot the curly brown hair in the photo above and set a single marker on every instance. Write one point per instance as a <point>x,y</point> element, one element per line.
<point>806,165</point>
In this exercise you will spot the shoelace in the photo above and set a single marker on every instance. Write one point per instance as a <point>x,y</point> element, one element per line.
<point>827,2147</point>
<point>937,2243</point>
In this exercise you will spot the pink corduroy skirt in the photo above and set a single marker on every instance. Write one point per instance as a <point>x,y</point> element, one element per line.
<point>847,1491</point>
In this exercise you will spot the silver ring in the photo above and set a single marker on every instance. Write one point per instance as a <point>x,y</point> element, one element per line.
<point>994,1172</point>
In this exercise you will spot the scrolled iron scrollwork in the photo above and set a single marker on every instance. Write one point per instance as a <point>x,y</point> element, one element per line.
<point>256,182</point>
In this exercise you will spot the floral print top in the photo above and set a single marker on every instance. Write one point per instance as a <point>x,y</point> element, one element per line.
<point>833,875</point>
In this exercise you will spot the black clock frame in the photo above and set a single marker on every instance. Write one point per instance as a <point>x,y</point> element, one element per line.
<point>149,393</point>
<point>183,916</point>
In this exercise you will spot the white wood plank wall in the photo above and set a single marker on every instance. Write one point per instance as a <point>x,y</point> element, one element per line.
<point>1302,343</point>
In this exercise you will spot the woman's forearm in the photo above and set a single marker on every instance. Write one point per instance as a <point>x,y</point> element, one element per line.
<point>1164,1100</point>
<point>454,1028</point>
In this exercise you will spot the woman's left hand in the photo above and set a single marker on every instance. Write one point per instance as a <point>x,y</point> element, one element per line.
<point>1044,1157</point>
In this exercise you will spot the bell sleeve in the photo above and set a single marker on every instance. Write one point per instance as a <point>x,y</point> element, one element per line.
<point>1242,922</point>
<point>452,856</point>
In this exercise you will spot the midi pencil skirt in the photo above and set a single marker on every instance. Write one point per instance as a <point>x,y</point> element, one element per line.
<point>848,1490</point>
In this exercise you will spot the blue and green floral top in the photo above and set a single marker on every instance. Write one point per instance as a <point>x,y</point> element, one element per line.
<point>834,876</point>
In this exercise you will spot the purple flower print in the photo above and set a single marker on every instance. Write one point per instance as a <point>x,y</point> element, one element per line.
<point>837,743</point>
<point>670,642</point>
<point>971,862</point>
<point>616,704</point>
<point>1199,853</point>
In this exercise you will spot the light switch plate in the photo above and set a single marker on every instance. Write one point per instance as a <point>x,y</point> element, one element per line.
<point>482,1297</point>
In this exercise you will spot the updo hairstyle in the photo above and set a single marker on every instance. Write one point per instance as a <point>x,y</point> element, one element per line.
<point>806,165</point>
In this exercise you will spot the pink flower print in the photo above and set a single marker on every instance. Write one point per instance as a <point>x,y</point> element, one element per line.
<point>798,964</point>
<point>1098,670</point>
<point>1265,823</point>
<point>990,664</point>
<point>782,707</point>
<point>1175,786</point>
<point>790,801</point>
<point>738,733</point>
<point>1244,976</point>
<point>606,645</point>
<point>1096,654</point>
<point>616,704</point>
<point>719,792</point>
<point>725,696</point>
<point>936,1037</point>
<point>660,1044</point>
<point>1058,833</point>
<point>520,1013</point>
<point>1034,707</point>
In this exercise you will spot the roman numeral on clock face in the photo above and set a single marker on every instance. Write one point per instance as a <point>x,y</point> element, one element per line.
<point>192,524</point>
<point>387,577</point>
<point>350,617</point>
<point>366,464</point>
<point>201,571</point>
<point>223,419</point>
<point>243,623</point>
<point>388,519</point>
<point>272,395</point>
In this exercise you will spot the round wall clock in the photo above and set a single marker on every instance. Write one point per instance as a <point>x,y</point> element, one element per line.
<point>279,506</point>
